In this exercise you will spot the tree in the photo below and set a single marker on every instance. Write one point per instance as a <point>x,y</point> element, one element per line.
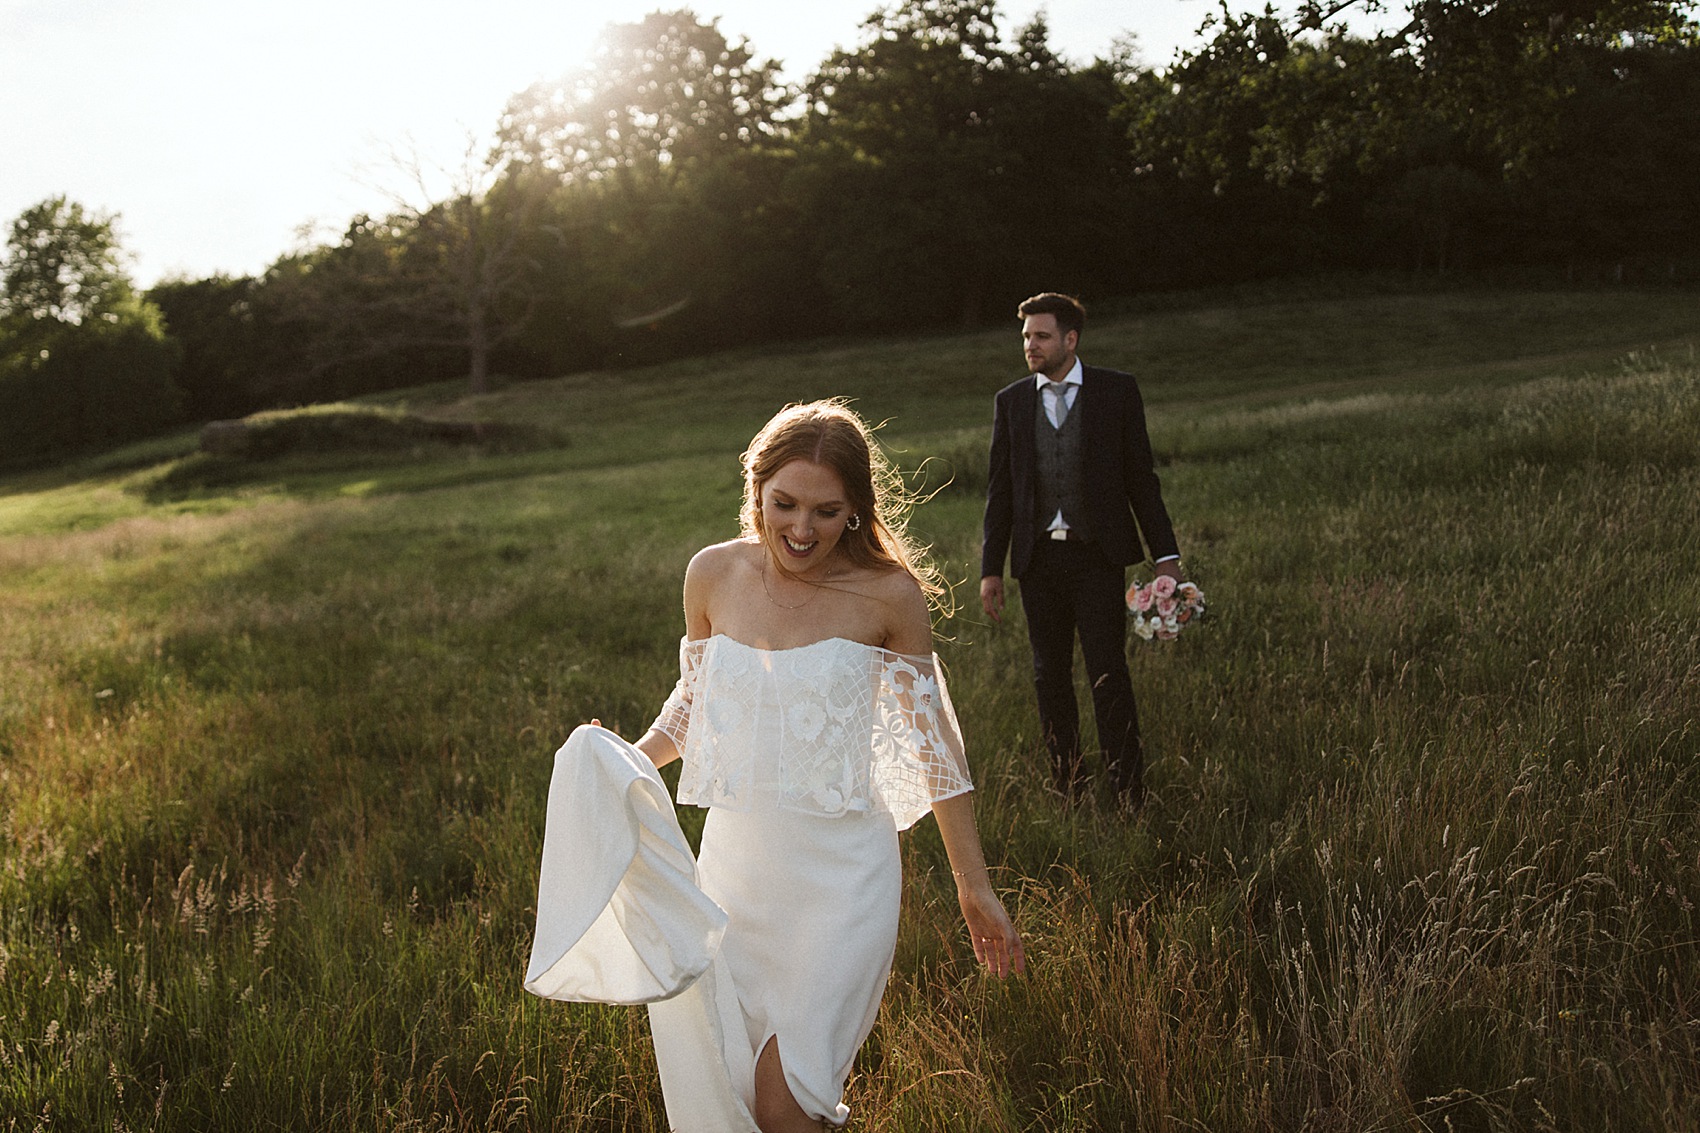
<point>1497,128</point>
<point>1615,189</point>
<point>235,353</point>
<point>666,227</point>
<point>63,265</point>
<point>949,174</point>
<point>84,360</point>
<point>466,259</point>
<point>351,315</point>
<point>1503,73</point>
<point>1430,206</point>
<point>88,386</point>
<point>659,96</point>
<point>428,286</point>
<point>901,168</point>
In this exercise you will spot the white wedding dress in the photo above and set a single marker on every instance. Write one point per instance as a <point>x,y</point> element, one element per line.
<point>810,760</point>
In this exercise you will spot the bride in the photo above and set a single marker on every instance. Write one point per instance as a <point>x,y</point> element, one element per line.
<point>813,722</point>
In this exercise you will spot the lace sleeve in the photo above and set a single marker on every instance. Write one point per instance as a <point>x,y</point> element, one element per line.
<point>919,757</point>
<point>674,722</point>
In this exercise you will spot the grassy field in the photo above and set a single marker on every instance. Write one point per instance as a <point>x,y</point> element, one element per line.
<point>1422,848</point>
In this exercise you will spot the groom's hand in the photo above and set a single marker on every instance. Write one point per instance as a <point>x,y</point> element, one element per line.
<point>1172,568</point>
<point>991,596</point>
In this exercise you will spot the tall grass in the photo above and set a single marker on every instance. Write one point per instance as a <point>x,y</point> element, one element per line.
<point>1421,850</point>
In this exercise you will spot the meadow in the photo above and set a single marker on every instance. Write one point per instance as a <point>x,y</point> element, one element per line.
<point>1421,850</point>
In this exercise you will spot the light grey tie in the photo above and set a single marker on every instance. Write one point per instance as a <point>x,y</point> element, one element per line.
<point>1059,392</point>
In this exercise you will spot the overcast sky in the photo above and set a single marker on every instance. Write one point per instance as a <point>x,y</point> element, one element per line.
<point>217,129</point>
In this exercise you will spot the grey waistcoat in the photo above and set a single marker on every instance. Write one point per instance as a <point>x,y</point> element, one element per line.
<point>1061,466</point>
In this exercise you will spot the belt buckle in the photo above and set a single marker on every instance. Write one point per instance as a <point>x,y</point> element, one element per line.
<point>1060,534</point>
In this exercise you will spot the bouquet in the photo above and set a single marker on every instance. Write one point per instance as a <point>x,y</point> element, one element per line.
<point>1162,607</point>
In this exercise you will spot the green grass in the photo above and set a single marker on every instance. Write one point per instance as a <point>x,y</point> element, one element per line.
<point>1421,852</point>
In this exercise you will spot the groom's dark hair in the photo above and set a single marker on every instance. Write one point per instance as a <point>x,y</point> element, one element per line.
<point>1070,312</point>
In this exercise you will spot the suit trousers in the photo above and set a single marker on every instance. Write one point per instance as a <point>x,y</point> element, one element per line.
<point>1069,588</point>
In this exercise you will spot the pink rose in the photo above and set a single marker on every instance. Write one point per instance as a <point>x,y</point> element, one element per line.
<point>1167,607</point>
<point>1163,586</point>
<point>1140,598</point>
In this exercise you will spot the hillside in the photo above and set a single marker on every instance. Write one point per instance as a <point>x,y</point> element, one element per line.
<point>1422,848</point>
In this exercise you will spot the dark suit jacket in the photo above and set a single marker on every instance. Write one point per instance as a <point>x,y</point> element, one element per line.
<point>1124,500</point>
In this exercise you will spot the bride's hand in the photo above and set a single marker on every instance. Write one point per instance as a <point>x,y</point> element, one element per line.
<point>996,943</point>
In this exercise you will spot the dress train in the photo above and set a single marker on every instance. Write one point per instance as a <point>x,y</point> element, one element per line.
<point>622,918</point>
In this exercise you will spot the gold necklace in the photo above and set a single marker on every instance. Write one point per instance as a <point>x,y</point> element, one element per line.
<point>815,592</point>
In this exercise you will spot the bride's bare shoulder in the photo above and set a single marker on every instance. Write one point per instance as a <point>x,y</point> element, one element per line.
<point>716,562</point>
<point>895,585</point>
<point>908,618</point>
<point>711,577</point>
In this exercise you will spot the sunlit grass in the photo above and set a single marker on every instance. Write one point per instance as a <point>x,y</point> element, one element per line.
<point>1421,852</point>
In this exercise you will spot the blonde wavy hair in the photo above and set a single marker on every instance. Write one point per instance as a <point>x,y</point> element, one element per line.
<point>831,434</point>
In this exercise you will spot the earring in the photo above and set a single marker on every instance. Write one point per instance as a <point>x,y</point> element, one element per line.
<point>855,523</point>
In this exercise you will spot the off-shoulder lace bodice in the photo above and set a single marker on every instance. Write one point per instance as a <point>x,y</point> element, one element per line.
<point>828,728</point>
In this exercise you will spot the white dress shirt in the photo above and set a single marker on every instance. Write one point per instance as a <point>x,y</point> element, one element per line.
<point>1071,390</point>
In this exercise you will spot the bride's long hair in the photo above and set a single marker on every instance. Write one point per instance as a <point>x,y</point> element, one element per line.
<point>832,434</point>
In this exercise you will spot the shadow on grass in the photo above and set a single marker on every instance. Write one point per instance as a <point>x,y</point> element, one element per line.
<point>28,478</point>
<point>323,475</point>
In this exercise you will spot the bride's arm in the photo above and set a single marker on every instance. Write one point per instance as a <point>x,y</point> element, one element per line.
<point>996,943</point>
<point>659,746</point>
<point>662,746</point>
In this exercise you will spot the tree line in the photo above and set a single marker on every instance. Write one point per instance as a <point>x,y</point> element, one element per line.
<point>675,196</point>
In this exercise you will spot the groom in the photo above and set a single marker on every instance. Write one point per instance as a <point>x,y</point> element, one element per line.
<point>1072,492</point>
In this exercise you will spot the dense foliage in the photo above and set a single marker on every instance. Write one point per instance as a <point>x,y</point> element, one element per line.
<point>84,359</point>
<point>675,196</point>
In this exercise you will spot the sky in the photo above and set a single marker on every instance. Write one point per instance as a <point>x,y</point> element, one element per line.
<point>224,133</point>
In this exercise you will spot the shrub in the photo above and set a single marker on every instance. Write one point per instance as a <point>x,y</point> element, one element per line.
<point>66,387</point>
<point>341,428</point>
